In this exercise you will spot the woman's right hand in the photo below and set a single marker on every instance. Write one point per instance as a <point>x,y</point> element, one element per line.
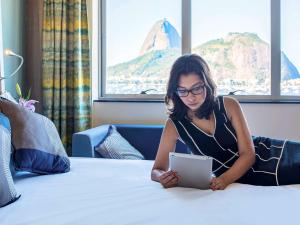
<point>169,179</point>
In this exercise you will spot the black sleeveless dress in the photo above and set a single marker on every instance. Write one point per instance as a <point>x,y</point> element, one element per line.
<point>277,161</point>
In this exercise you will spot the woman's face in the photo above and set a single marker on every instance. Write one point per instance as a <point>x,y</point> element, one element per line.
<point>191,90</point>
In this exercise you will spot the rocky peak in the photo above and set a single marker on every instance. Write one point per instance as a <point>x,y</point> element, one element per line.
<point>162,35</point>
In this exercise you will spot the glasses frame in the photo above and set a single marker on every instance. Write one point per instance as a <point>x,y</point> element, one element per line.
<point>191,90</point>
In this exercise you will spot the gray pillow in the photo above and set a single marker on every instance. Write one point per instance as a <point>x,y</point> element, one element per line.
<point>8,96</point>
<point>8,193</point>
<point>37,145</point>
<point>114,146</point>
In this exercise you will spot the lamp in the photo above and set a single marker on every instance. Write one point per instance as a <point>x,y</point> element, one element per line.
<point>9,52</point>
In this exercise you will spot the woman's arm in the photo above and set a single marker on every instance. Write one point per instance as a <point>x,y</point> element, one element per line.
<point>167,144</point>
<point>245,145</point>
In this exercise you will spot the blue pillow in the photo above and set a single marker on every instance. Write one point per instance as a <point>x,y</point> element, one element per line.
<point>8,193</point>
<point>37,145</point>
<point>4,121</point>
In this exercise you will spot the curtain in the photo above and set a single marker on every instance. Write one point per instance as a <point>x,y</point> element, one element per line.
<point>65,67</point>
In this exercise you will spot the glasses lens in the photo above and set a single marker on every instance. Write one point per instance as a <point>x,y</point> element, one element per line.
<point>182,93</point>
<point>197,90</point>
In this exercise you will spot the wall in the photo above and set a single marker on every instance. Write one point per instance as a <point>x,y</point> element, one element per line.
<point>12,34</point>
<point>280,121</point>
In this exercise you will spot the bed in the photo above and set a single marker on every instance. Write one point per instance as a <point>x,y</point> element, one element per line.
<point>109,191</point>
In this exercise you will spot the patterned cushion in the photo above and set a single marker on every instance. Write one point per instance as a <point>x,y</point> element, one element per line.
<point>8,193</point>
<point>4,121</point>
<point>114,146</point>
<point>37,145</point>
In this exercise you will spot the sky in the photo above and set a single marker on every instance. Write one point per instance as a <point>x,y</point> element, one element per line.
<point>129,21</point>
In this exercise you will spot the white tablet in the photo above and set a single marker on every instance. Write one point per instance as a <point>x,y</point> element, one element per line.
<point>195,171</point>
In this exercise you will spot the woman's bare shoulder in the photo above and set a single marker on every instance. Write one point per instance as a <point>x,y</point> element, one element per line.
<point>170,128</point>
<point>230,100</point>
<point>231,105</point>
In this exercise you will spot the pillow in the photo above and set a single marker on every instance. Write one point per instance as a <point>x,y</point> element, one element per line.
<point>8,96</point>
<point>114,146</point>
<point>37,145</point>
<point>8,193</point>
<point>4,121</point>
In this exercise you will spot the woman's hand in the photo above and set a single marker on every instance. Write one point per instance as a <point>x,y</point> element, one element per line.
<point>169,179</point>
<point>218,183</point>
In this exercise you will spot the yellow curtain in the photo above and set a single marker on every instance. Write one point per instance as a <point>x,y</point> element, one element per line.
<point>65,67</point>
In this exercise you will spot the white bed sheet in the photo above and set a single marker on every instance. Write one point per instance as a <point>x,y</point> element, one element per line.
<point>102,191</point>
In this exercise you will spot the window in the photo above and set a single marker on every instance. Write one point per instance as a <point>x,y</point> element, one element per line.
<point>142,41</point>
<point>233,38</point>
<point>242,41</point>
<point>290,54</point>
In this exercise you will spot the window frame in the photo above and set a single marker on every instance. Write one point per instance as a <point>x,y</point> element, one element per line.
<point>275,96</point>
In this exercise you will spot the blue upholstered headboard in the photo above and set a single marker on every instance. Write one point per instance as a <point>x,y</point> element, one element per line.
<point>143,137</point>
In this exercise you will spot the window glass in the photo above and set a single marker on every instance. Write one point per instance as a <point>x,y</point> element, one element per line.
<point>143,39</point>
<point>290,47</point>
<point>233,36</point>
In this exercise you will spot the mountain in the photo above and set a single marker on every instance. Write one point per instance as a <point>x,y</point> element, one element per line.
<point>240,55</point>
<point>148,71</point>
<point>161,36</point>
<point>154,63</point>
<point>233,60</point>
<point>288,70</point>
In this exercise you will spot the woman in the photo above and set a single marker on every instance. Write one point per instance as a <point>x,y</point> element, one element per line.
<point>216,127</point>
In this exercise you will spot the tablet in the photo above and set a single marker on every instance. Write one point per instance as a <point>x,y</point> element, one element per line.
<point>195,171</point>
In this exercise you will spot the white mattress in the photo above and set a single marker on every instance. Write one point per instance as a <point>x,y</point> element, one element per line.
<point>102,191</point>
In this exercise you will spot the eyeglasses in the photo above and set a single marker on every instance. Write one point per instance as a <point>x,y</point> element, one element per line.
<point>197,90</point>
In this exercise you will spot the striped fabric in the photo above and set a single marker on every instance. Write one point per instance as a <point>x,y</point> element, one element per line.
<point>65,65</point>
<point>8,193</point>
<point>114,146</point>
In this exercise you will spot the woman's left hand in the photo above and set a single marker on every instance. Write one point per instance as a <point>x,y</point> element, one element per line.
<point>218,183</point>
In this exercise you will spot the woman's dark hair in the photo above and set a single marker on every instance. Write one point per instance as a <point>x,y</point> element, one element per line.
<point>185,65</point>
